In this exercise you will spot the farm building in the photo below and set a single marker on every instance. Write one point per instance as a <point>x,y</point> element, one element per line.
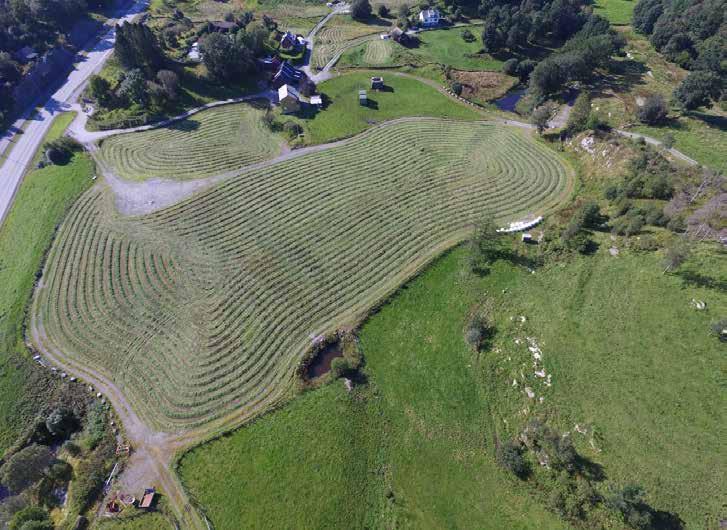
<point>269,63</point>
<point>287,75</point>
<point>377,83</point>
<point>429,17</point>
<point>289,99</point>
<point>288,41</point>
<point>363,99</point>
<point>194,55</point>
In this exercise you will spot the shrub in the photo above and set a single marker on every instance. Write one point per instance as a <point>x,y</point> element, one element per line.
<point>94,428</point>
<point>478,332</point>
<point>382,11</point>
<point>457,88</point>
<point>653,111</point>
<point>676,254</point>
<point>484,246</point>
<point>647,243</point>
<point>341,367</point>
<point>540,117</point>
<point>61,423</point>
<point>668,141</point>
<point>654,215</point>
<point>510,67</point>
<point>719,330</point>
<point>292,129</point>
<point>468,36</point>
<point>581,111</point>
<point>511,456</point>
<point>60,151</point>
<point>629,503</point>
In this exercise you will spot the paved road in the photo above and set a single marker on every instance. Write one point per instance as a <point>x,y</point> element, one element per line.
<point>317,78</point>
<point>25,145</point>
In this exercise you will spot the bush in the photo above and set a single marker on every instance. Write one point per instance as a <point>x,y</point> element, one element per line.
<point>478,332</point>
<point>61,423</point>
<point>292,129</point>
<point>382,11</point>
<point>629,503</point>
<point>60,151</point>
<point>719,330</point>
<point>457,88</point>
<point>653,111</point>
<point>581,111</point>
<point>468,36</point>
<point>510,67</point>
<point>510,456</point>
<point>668,141</point>
<point>484,246</point>
<point>341,367</point>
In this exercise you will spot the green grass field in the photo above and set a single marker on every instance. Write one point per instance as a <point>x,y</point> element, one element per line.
<point>205,309</point>
<point>142,521</point>
<point>208,143</point>
<point>698,135</point>
<point>342,32</point>
<point>618,12</point>
<point>344,117</point>
<point>646,376</point>
<point>39,206</point>
<point>444,46</point>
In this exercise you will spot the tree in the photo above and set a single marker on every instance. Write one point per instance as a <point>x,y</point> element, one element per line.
<point>697,90</point>
<point>510,67</point>
<point>360,10</point>
<point>225,59</point>
<point>540,117</point>
<point>403,11</point>
<point>653,111</point>
<point>100,90</point>
<point>578,118</point>
<point>492,40</point>
<point>484,245</point>
<point>169,82</point>
<point>510,456</point>
<point>133,88</point>
<point>524,69</point>
<point>61,423</point>
<point>676,254</point>
<point>26,467</point>
<point>383,11</point>
<point>467,36</point>
<point>546,78</point>
<point>629,502</point>
<point>32,517</point>
<point>137,47</point>
<point>646,13</point>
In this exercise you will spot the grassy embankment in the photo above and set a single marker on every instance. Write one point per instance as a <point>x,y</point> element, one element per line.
<point>40,204</point>
<point>629,358</point>
<point>618,12</point>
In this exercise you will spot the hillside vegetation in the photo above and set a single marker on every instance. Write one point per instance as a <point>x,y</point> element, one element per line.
<point>416,447</point>
<point>206,308</point>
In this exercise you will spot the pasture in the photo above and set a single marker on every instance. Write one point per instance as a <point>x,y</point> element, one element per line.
<point>208,143</point>
<point>205,309</point>
<point>645,376</point>
<point>617,12</point>
<point>40,204</point>
<point>343,116</point>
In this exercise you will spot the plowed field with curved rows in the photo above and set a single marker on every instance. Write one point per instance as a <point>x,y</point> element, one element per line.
<point>211,142</point>
<point>204,309</point>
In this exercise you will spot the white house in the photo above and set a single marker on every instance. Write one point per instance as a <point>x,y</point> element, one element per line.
<point>289,99</point>
<point>429,17</point>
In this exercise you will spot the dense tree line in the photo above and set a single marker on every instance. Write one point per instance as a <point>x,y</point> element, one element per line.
<point>38,24</point>
<point>693,34</point>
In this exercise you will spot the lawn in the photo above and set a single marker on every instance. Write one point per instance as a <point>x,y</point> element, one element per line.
<point>618,12</point>
<point>40,205</point>
<point>140,521</point>
<point>443,46</point>
<point>203,310</point>
<point>343,116</point>
<point>645,377</point>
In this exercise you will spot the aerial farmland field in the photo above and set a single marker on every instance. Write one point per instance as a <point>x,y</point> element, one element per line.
<point>205,309</point>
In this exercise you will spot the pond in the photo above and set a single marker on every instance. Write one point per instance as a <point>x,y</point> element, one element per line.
<point>510,100</point>
<point>321,363</point>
